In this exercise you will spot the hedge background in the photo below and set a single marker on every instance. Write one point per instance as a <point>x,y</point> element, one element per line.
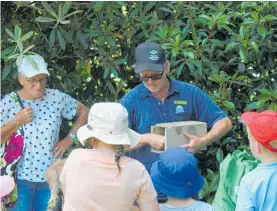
<point>227,49</point>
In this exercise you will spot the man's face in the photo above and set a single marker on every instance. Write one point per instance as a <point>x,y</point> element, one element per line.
<point>153,80</point>
<point>34,86</point>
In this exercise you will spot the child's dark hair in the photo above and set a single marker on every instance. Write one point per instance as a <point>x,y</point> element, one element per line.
<point>119,152</point>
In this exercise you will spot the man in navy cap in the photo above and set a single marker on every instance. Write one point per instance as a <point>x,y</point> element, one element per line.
<point>160,99</point>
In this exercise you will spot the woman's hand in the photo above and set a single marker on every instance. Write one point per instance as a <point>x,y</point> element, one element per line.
<point>62,146</point>
<point>23,116</point>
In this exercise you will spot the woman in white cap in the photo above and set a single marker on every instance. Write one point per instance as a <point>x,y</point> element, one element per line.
<point>37,112</point>
<point>102,179</point>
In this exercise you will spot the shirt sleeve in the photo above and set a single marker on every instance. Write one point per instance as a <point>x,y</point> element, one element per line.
<point>244,200</point>
<point>69,106</point>
<point>147,191</point>
<point>7,105</point>
<point>128,103</point>
<point>206,110</point>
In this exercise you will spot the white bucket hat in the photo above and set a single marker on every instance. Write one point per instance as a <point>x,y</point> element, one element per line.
<point>28,70</point>
<point>108,122</point>
<point>6,185</point>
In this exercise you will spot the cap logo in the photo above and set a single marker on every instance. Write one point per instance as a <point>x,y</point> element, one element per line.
<point>154,56</point>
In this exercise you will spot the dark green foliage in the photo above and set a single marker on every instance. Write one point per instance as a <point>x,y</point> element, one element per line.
<point>227,49</point>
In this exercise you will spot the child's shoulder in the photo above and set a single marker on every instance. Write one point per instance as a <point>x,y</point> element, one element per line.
<point>204,206</point>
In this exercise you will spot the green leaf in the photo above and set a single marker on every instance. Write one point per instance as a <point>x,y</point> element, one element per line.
<point>269,18</point>
<point>273,107</point>
<point>6,71</point>
<point>243,52</point>
<point>64,21</point>
<point>111,87</point>
<point>261,30</point>
<point>66,35</point>
<point>122,3</point>
<point>111,41</point>
<point>10,33</point>
<point>49,9</point>
<point>61,39</point>
<point>17,32</point>
<point>231,46</point>
<point>32,62</point>
<point>254,46</point>
<point>219,155</point>
<point>52,38</point>
<point>28,48</point>
<point>20,46</point>
<point>189,54</point>
<point>229,105</point>
<point>26,36</point>
<point>114,72</point>
<point>66,8</point>
<point>253,105</point>
<point>60,11</point>
<point>19,60</point>
<point>98,6</point>
<point>45,19</point>
<point>165,9</point>
<point>223,19</point>
<point>106,73</point>
<point>8,50</point>
<point>82,39</point>
<point>73,13</point>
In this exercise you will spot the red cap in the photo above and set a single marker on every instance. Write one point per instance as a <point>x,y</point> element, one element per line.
<point>263,126</point>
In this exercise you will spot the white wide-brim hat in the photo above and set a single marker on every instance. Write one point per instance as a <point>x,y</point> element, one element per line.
<point>27,69</point>
<point>7,184</point>
<point>108,122</point>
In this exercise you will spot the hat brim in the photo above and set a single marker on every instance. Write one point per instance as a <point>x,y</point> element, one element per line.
<point>248,117</point>
<point>33,73</point>
<point>128,137</point>
<point>171,188</point>
<point>7,185</point>
<point>151,67</point>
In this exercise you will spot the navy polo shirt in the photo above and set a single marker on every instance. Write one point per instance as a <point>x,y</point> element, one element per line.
<point>184,102</point>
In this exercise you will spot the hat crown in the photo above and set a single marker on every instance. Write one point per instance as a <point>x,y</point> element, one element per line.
<point>28,70</point>
<point>263,126</point>
<point>111,117</point>
<point>149,52</point>
<point>177,164</point>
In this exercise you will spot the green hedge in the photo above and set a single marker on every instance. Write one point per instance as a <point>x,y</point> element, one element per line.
<point>227,49</point>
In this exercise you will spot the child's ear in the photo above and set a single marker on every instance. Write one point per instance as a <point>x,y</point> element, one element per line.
<point>258,147</point>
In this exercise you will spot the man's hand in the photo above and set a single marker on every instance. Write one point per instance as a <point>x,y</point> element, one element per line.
<point>195,143</point>
<point>157,141</point>
<point>62,146</point>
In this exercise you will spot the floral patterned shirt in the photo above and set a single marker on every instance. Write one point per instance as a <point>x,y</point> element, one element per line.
<point>41,134</point>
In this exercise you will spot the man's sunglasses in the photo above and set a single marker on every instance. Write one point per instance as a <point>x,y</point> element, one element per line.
<point>153,77</point>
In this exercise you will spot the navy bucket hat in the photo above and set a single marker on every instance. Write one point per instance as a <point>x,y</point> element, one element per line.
<point>176,174</point>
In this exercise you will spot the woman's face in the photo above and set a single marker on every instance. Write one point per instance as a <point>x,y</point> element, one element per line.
<point>34,86</point>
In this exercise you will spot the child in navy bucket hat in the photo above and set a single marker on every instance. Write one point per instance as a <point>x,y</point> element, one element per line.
<point>176,175</point>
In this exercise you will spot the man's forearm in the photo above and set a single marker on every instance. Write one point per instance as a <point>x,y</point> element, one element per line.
<point>219,129</point>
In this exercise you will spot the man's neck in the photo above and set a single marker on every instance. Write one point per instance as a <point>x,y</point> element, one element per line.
<point>163,92</point>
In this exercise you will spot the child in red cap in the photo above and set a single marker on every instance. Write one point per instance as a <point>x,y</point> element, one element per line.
<point>258,188</point>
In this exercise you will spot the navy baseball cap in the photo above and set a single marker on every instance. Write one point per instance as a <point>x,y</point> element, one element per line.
<point>149,56</point>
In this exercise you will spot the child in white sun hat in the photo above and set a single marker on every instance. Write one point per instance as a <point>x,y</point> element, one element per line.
<point>102,178</point>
